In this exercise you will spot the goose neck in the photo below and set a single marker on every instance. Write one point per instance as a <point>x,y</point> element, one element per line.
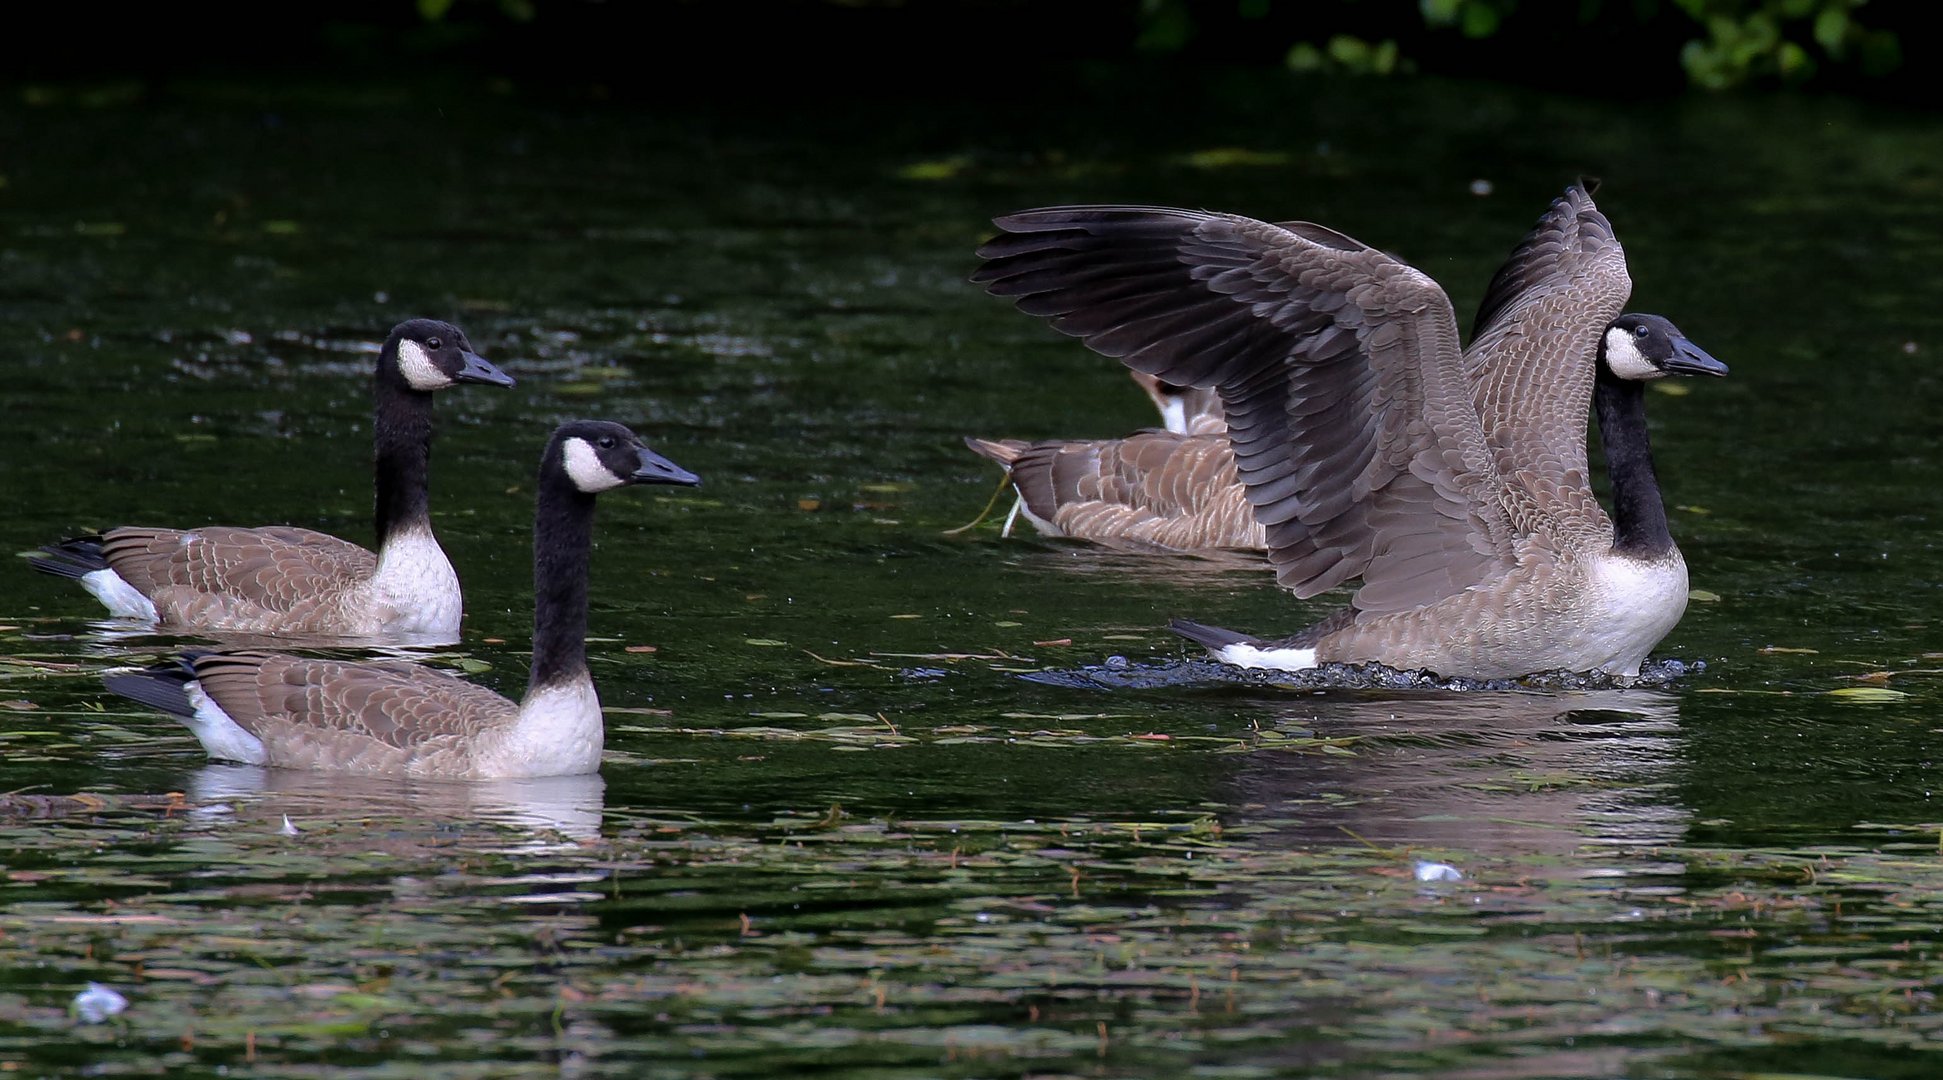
<point>402,456</point>
<point>563,525</point>
<point>1639,515</point>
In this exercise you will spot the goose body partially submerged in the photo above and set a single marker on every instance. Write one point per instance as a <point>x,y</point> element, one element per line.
<point>283,579</point>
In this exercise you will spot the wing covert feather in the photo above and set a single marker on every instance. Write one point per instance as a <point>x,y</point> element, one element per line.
<point>393,703</point>
<point>278,568</point>
<point>1155,487</point>
<point>1533,356</point>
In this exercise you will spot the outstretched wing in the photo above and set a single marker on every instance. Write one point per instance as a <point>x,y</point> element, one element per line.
<point>1534,351</point>
<point>1354,430</point>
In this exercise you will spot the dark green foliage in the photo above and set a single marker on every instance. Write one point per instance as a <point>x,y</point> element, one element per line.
<point>1718,43</point>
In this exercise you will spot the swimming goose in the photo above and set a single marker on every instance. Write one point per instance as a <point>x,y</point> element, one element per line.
<point>391,718</point>
<point>1453,484</point>
<point>1159,488</point>
<point>1173,489</point>
<point>283,579</point>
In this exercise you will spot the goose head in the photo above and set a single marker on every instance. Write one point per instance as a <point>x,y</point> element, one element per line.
<point>1640,347</point>
<point>597,456</point>
<point>1184,410</point>
<point>428,355</point>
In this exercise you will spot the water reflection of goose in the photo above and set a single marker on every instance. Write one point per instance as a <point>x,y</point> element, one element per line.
<point>543,810</point>
<point>285,579</point>
<point>399,719</point>
<point>1454,484</point>
<point>1499,774</point>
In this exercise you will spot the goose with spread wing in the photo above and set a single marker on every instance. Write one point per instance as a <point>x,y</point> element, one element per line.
<point>1454,483</point>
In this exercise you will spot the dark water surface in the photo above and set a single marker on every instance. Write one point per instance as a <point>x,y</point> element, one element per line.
<point>836,832</point>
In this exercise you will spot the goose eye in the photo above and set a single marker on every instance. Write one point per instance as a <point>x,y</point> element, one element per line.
<point>607,442</point>
<point>434,343</point>
<point>1641,333</point>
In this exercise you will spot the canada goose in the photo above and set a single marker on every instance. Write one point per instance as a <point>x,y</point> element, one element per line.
<point>1153,487</point>
<point>1174,489</point>
<point>283,579</point>
<point>1454,484</point>
<point>392,718</point>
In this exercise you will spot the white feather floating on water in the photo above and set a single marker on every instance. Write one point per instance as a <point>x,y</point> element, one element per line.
<point>97,1003</point>
<point>1436,871</point>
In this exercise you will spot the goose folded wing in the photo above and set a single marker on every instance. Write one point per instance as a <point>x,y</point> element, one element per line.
<point>397,704</point>
<point>1353,428</point>
<point>1153,487</point>
<point>280,567</point>
<point>1154,471</point>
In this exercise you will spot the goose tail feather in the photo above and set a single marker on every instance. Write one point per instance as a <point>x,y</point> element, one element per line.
<point>74,558</point>
<point>164,686</point>
<point>1213,638</point>
<point>1003,451</point>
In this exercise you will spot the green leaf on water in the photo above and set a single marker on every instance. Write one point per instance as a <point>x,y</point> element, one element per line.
<point>764,641</point>
<point>1867,695</point>
<point>1702,596</point>
<point>1224,157</point>
<point>939,169</point>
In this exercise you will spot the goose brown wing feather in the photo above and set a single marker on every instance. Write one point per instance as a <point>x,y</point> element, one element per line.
<point>1154,487</point>
<point>1354,430</point>
<point>393,704</point>
<point>281,567</point>
<point>1533,354</point>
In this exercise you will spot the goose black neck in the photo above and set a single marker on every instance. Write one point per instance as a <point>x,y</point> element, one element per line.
<point>1638,515</point>
<point>402,458</point>
<point>563,536</point>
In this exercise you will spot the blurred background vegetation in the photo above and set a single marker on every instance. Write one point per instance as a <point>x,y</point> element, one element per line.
<point>754,48</point>
<point>1614,44</point>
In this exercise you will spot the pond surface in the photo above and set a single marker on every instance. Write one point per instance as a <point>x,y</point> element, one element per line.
<point>839,831</point>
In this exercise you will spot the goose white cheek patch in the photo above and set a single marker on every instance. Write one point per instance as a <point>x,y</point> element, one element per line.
<point>415,364</point>
<point>585,469</point>
<point>1624,358</point>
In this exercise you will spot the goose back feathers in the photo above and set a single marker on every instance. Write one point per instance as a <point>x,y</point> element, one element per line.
<point>1174,489</point>
<point>393,718</point>
<point>1153,488</point>
<point>1370,445</point>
